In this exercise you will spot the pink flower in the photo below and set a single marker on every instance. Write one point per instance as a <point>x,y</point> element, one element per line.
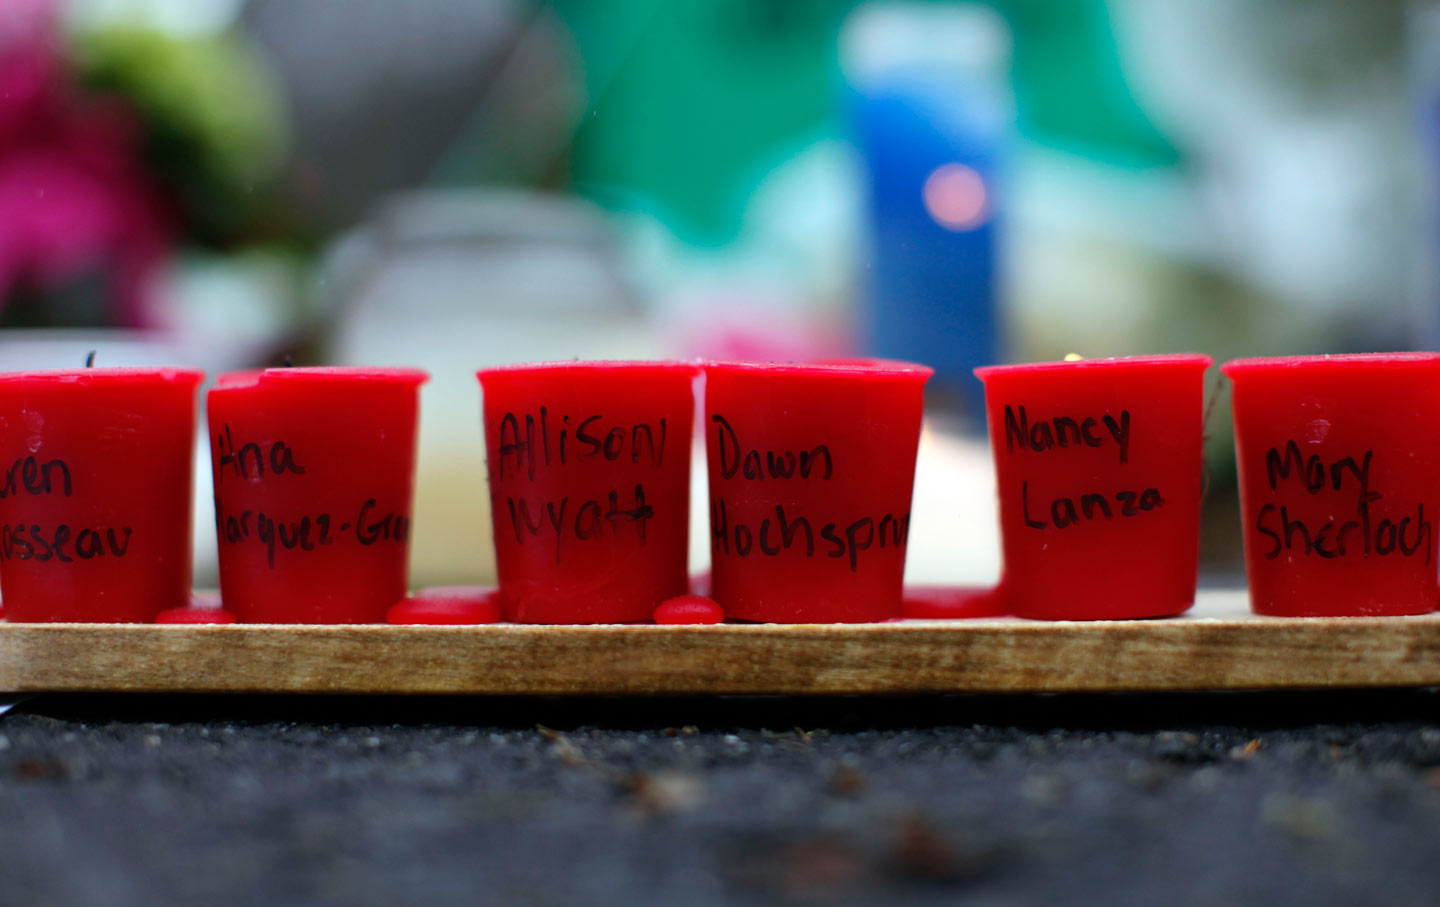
<point>74,194</point>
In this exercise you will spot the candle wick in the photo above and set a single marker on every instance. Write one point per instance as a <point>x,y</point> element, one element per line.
<point>289,361</point>
<point>90,360</point>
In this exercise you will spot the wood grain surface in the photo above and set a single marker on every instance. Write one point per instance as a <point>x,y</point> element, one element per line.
<point>1217,646</point>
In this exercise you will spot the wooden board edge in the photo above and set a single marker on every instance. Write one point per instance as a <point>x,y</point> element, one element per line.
<point>987,656</point>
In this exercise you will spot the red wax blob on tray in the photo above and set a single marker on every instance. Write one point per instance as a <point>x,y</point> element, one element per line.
<point>589,466</point>
<point>96,492</point>
<point>448,605</point>
<point>314,477</point>
<point>1099,465</point>
<point>195,616</point>
<point>811,469</point>
<point>689,609</point>
<point>952,602</point>
<point>1339,482</point>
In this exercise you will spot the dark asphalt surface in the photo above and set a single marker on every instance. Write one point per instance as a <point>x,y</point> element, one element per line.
<point>1228,799</point>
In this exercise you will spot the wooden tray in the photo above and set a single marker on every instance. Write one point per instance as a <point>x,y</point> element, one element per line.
<point>1219,645</point>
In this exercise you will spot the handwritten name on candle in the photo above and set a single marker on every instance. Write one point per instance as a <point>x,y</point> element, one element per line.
<point>589,522</point>
<point>787,532</point>
<point>253,462</point>
<point>306,533</point>
<point>778,464</point>
<point>1041,436</point>
<point>1093,506</point>
<point>576,441</point>
<point>63,543</point>
<point>592,441</point>
<point>249,461</point>
<point>44,545</point>
<point>33,477</point>
<point>1316,477</point>
<point>1066,432</point>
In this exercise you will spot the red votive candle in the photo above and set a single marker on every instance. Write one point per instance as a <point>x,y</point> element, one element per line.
<point>811,470</point>
<point>589,466</point>
<point>314,475</point>
<point>95,494</point>
<point>1099,465</point>
<point>1339,482</point>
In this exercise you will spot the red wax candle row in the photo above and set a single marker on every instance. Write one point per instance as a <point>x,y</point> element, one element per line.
<point>1099,469</point>
<point>810,473</point>
<point>313,472</point>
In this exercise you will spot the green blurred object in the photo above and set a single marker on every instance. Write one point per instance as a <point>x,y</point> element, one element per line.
<point>689,101</point>
<point>692,103</point>
<point>1070,87</point>
<point>212,119</point>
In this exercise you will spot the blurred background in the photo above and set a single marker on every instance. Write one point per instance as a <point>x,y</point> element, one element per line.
<point>459,183</point>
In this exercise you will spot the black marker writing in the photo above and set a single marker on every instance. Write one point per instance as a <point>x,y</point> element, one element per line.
<point>1331,541</point>
<point>1336,537</point>
<point>1064,431</point>
<point>524,449</point>
<point>251,459</point>
<point>1314,474</point>
<point>1093,506</point>
<point>308,532</point>
<point>25,543</point>
<point>590,520</point>
<point>33,477</point>
<point>782,464</point>
<point>785,533</point>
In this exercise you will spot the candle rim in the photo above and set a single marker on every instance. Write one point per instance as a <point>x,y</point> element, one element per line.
<point>1332,360</point>
<point>109,373</point>
<point>1154,359</point>
<point>316,374</point>
<point>561,365</point>
<point>889,368</point>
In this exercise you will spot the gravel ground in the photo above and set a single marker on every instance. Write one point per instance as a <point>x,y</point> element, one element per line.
<point>1179,799</point>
